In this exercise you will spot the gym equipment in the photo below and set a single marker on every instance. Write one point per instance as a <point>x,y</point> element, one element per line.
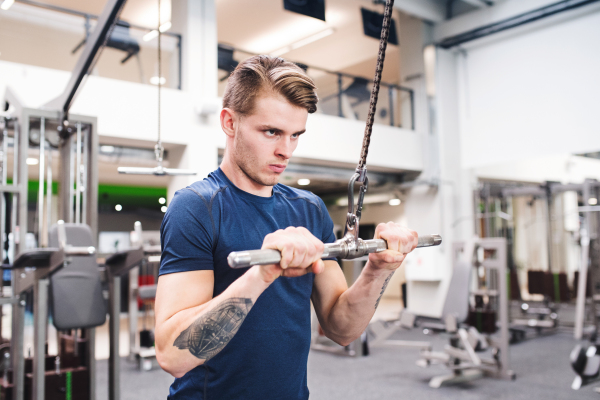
<point>78,150</point>
<point>117,265</point>
<point>351,245</point>
<point>159,150</point>
<point>36,269</point>
<point>585,361</point>
<point>76,298</point>
<point>460,356</point>
<point>339,249</point>
<point>588,234</point>
<point>143,355</point>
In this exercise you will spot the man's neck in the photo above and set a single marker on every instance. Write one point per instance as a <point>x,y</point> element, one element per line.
<point>239,178</point>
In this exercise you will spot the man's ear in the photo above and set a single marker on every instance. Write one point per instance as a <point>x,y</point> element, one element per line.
<point>227,121</point>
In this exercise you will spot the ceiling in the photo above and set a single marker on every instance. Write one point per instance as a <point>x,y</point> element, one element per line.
<point>262,26</point>
<point>137,12</point>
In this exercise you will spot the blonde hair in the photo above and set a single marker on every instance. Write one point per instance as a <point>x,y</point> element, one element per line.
<point>268,74</point>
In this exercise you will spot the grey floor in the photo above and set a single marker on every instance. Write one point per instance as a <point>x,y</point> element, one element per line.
<point>541,364</point>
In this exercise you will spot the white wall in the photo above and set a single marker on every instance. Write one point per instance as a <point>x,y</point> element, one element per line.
<point>532,93</point>
<point>128,110</point>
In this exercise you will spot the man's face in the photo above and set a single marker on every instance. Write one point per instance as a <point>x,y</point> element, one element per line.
<point>265,140</point>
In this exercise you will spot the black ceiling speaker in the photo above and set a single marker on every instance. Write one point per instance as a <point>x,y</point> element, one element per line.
<point>359,90</point>
<point>303,66</point>
<point>120,39</point>
<point>372,23</point>
<point>310,8</point>
<point>225,59</point>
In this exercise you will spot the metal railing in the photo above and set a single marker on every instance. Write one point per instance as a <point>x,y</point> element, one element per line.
<point>340,94</point>
<point>23,29</point>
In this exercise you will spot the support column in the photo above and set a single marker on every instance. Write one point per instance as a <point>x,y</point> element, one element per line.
<point>40,323</point>
<point>114,364</point>
<point>196,21</point>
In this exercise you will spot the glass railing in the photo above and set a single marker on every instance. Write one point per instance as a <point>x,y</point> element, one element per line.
<point>340,94</point>
<point>48,36</point>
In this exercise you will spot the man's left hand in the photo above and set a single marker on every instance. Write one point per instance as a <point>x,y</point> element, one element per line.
<point>400,242</point>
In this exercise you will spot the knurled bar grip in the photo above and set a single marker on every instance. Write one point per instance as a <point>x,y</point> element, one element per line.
<point>244,259</point>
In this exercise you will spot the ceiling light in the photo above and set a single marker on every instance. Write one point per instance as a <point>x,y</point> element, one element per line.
<point>162,200</point>
<point>32,161</point>
<point>165,27</point>
<point>303,182</point>
<point>155,81</point>
<point>6,4</point>
<point>163,209</point>
<point>369,199</point>
<point>592,201</point>
<point>303,42</point>
<point>150,35</point>
<point>118,207</point>
<point>394,202</point>
<point>107,149</point>
<point>154,33</point>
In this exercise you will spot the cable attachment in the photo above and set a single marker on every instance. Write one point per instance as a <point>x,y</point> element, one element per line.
<point>351,238</point>
<point>159,151</point>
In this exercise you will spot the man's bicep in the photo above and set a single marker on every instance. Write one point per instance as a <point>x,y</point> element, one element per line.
<point>327,288</point>
<point>182,290</point>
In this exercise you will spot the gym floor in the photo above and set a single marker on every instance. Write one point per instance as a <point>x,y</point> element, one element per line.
<point>541,365</point>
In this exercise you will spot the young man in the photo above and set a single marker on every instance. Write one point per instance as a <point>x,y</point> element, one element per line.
<point>245,334</point>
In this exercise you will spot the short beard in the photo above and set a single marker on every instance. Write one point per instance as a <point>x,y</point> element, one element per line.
<point>245,162</point>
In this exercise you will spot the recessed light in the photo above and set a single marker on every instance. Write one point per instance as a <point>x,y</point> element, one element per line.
<point>107,149</point>
<point>394,202</point>
<point>592,201</point>
<point>163,209</point>
<point>155,81</point>
<point>303,182</point>
<point>118,207</point>
<point>162,200</point>
<point>150,35</point>
<point>32,161</point>
<point>6,4</point>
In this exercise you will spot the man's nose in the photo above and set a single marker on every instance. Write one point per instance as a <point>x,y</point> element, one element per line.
<point>284,149</point>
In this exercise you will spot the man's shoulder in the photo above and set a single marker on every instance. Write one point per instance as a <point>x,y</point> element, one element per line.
<point>291,193</point>
<point>203,190</point>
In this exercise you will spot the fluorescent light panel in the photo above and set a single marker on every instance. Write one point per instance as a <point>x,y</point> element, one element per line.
<point>6,4</point>
<point>369,199</point>
<point>155,81</point>
<point>303,42</point>
<point>154,33</point>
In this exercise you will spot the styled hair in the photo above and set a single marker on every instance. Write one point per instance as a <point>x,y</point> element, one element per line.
<point>264,74</point>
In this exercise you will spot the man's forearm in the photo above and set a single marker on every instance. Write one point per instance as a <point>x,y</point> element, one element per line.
<point>354,309</point>
<point>203,331</point>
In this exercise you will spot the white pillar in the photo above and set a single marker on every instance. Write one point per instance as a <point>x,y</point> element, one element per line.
<point>196,21</point>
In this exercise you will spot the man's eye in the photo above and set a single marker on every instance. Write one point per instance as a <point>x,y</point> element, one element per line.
<point>270,132</point>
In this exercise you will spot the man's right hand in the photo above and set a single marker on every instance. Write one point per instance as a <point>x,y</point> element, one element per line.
<point>300,253</point>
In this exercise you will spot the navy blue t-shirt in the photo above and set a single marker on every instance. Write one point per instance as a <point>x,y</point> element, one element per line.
<point>267,357</point>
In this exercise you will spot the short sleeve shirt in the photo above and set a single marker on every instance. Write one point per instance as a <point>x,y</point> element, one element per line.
<point>206,221</point>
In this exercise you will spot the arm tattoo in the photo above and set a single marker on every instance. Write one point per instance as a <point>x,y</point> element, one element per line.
<point>207,336</point>
<point>387,280</point>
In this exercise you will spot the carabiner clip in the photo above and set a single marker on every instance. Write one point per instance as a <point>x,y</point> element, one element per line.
<point>353,217</point>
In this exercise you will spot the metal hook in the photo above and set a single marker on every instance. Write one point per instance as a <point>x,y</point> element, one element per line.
<point>353,217</point>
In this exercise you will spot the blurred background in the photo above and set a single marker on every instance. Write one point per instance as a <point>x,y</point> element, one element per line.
<point>486,132</point>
